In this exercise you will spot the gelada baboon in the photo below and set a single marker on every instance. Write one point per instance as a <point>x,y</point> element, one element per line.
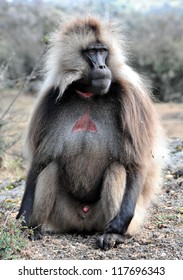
<point>95,143</point>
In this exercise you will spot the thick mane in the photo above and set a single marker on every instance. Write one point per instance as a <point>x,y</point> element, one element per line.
<point>138,121</point>
<point>64,65</point>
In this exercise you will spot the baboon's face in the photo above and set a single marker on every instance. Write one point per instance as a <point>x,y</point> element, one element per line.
<point>98,78</point>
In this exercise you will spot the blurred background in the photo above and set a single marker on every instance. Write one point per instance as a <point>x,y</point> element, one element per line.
<point>155,34</point>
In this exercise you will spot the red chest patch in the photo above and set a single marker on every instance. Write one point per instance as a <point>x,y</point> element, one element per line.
<point>84,124</point>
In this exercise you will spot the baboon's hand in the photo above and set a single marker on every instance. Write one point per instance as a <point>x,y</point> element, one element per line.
<point>35,234</point>
<point>109,240</point>
<point>31,233</point>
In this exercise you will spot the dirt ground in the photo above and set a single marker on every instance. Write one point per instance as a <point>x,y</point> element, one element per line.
<point>162,234</point>
<point>171,115</point>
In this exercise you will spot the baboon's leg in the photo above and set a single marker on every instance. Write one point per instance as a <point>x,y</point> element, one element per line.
<point>44,199</point>
<point>111,199</point>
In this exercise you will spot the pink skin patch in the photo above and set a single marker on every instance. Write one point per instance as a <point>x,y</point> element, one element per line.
<point>84,124</point>
<point>86,209</point>
<point>85,94</point>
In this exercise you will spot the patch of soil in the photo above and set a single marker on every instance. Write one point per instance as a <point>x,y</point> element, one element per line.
<point>171,115</point>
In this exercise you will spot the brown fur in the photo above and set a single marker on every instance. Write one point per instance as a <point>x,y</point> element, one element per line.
<point>143,138</point>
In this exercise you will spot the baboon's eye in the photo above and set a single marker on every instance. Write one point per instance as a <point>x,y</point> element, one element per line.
<point>102,50</point>
<point>91,51</point>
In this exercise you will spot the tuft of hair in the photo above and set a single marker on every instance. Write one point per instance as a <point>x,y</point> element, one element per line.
<point>63,60</point>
